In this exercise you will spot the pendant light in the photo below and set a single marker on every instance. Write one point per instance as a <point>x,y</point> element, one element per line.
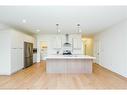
<point>57,28</point>
<point>79,28</point>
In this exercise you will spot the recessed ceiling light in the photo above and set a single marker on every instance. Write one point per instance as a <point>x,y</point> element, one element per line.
<point>23,21</point>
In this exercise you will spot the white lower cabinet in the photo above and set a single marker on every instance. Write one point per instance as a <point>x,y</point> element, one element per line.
<point>34,57</point>
<point>16,59</point>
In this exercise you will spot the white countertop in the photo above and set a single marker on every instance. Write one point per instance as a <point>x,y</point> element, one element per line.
<point>69,57</point>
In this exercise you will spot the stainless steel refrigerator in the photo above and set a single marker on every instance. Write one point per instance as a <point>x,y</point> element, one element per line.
<point>28,54</point>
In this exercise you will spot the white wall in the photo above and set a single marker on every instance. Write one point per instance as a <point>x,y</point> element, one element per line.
<point>48,38</point>
<point>12,49</point>
<point>113,48</point>
<point>5,52</point>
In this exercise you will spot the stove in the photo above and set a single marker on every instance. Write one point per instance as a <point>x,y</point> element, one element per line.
<point>67,52</point>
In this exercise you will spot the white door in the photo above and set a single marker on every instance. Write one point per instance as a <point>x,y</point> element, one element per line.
<point>97,48</point>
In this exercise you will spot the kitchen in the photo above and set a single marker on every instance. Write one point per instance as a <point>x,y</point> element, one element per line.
<point>41,48</point>
<point>64,47</point>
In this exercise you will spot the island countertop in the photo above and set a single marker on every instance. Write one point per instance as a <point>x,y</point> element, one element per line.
<point>69,57</point>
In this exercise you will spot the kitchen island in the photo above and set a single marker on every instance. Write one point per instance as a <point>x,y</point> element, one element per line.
<point>69,64</point>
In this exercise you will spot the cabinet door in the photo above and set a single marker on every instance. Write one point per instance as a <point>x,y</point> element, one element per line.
<point>34,58</point>
<point>13,60</point>
<point>16,40</point>
<point>57,42</point>
<point>16,59</point>
<point>20,61</point>
<point>77,43</point>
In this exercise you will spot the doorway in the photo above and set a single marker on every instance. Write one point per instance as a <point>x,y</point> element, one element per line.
<point>43,50</point>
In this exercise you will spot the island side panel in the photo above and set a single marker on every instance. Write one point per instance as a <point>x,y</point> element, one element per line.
<point>69,66</point>
<point>79,66</point>
<point>56,66</point>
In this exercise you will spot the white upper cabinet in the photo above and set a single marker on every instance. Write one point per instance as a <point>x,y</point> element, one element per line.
<point>57,42</point>
<point>77,43</point>
<point>18,39</point>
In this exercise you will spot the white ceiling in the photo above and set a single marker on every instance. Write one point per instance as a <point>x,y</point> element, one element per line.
<point>91,18</point>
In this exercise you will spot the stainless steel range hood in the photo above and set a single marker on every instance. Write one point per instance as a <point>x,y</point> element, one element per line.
<point>67,41</point>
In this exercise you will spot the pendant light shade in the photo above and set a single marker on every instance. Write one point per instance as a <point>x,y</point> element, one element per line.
<point>79,28</point>
<point>57,28</point>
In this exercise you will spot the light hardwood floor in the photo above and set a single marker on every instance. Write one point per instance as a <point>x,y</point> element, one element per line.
<point>35,77</point>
